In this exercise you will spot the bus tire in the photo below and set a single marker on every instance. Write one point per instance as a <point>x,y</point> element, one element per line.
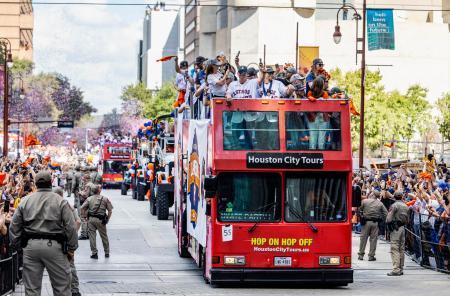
<point>162,205</point>
<point>123,189</point>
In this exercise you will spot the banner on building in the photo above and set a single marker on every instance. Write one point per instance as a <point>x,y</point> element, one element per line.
<point>380,29</point>
<point>306,55</point>
<point>197,162</point>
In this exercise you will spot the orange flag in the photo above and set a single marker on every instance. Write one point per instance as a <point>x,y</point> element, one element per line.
<point>166,58</point>
<point>389,145</point>
<point>31,140</point>
<point>353,109</point>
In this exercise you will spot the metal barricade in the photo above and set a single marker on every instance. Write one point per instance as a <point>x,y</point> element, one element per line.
<point>9,274</point>
<point>427,242</point>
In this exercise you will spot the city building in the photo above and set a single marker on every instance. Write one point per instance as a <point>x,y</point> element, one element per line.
<point>266,29</point>
<point>16,24</point>
<point>161,37</point>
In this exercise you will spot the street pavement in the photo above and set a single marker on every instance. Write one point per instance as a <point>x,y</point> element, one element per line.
<point>144,261</point>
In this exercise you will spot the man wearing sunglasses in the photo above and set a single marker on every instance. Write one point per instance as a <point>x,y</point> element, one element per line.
<point>315,68</point>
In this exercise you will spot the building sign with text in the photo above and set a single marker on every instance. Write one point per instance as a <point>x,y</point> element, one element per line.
<point>380,29</point>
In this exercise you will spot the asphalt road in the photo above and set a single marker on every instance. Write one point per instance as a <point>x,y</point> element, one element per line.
<point>144,261</point>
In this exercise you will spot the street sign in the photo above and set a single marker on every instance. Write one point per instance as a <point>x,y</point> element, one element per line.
<point>65,124</point>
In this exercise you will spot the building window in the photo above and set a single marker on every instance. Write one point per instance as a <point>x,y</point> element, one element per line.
<point>189,48</point>
<point>26,38</point>
<point>190,27</point>
<point>190,6</point>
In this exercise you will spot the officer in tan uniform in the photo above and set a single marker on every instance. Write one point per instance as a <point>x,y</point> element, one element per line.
<point>83,193</point>
<point>372,211</point>
<point>44,226</point>
<point>74,283</point>
<point>396,220</point>
<point>99,211</point>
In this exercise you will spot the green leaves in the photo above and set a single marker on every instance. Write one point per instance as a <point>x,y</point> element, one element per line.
<point>153,103</point>
<point>387,114</point>
<point>443,104</point>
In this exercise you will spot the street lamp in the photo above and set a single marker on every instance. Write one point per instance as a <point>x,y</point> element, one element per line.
<point>5,45</point>
<point>337,35</point>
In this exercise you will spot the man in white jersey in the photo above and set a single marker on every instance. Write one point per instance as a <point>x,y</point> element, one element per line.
<point>271,88</point>
<point>243,88</point>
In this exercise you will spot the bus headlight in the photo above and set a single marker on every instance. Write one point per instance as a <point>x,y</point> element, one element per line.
<point>234,260</point>
<point>329,260</point>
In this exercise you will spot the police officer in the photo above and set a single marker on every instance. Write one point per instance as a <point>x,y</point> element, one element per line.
<point>396,220</point>
<point>69,175</point>
<point>99,211</point>
<point>76,186</point>
<point>96,176</point>
<point>372,211</point>
<point>44,225</point>
<point>83,193</point>
<point>74,283</point>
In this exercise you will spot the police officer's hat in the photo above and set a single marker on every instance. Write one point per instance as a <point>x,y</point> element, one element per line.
<point>398,195</point>
<point>43,177</point>
<point>77,167</point>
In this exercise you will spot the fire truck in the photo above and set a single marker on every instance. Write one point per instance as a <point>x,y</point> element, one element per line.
<point>263,191</point>
<point>114,160</point>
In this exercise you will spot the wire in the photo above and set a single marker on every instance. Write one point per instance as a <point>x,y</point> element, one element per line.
<point>204,4</point>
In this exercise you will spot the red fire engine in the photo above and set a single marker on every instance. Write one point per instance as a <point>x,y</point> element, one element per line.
<point>114,158</point>
<point>263,191</point>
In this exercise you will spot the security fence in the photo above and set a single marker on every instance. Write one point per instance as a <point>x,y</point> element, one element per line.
<point>9,274</point>
<point>427,241</point>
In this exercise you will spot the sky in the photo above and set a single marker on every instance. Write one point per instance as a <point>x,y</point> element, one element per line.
<point>96,47</point>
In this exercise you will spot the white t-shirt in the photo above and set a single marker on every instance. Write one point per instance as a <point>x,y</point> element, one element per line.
<point>180,81</point>
<point>277,90</point>
<point>247,90</point>
<point>216,90</point>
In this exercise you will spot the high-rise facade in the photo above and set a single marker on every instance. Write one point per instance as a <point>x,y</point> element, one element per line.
<point>161,37</point>
<point>16,24</point>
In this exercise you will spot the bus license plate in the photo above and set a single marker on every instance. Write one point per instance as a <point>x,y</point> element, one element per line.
<point>283,261</point>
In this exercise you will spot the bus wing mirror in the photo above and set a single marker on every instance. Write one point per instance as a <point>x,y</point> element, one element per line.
<point>210,186</point>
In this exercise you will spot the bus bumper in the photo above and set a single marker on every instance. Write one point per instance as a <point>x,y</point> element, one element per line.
<point>299,276</point>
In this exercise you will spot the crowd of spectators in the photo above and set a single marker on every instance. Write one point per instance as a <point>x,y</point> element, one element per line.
<point>216,77</point>
<point>426,191</point>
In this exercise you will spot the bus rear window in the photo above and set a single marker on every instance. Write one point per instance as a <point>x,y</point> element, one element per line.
<point>313,131</point>
<point>249,197</point>
<point>248,130</point>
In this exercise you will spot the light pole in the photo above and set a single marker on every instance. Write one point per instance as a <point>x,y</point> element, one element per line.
<point>22,97</point>
<point>5,45</point>
<point>337,38</point>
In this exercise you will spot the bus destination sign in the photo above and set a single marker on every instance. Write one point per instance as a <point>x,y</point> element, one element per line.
<point>284,160</point>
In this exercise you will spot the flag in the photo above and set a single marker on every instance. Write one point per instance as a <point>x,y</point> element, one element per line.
<point>390,145</point>
<point>353,109</point>
<point>166,58</point>
<point>31,140</point>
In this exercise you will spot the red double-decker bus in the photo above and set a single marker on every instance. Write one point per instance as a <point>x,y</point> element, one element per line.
<point>263,191</point>
<point>114,160</point>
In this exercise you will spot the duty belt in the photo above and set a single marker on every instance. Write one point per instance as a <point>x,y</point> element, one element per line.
<point>59,237</point>
<point>101,217</point>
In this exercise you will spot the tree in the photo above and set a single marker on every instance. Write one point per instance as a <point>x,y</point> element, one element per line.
<point>387,114</point>
<point>162,102</point>
<point>443,104</point>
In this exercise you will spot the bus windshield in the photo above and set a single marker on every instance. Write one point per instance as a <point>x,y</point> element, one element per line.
<point>249,130</point>
<point>113,167</point>
<point>249,197</point>
<point>313,131</point>
<point>315,197</point>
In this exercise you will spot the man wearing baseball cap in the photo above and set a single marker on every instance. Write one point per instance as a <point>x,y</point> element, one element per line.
<point>243,88</point>
<point>313,73</point>
<point>271,88</point>
<point>44,226</point>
